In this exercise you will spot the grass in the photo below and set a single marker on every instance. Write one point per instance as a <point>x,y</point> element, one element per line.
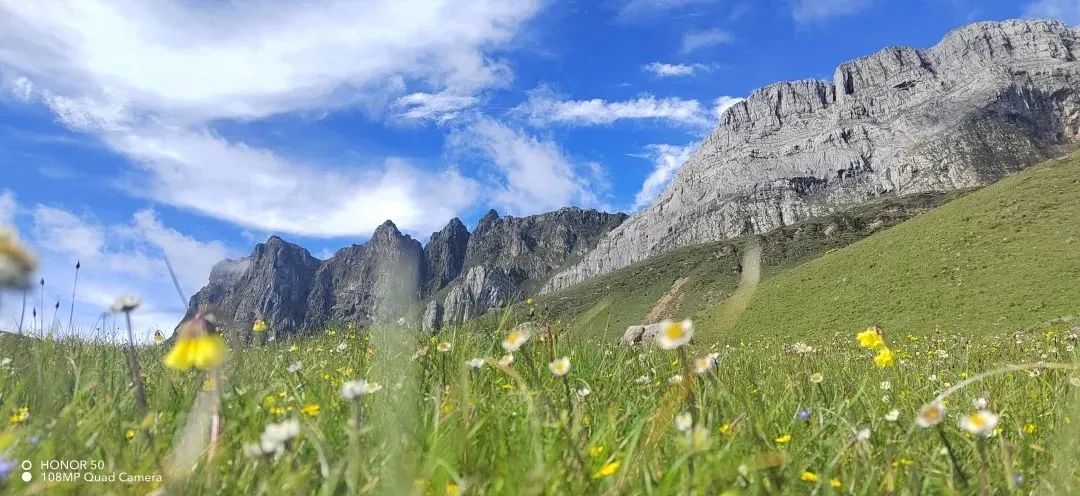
<point>1006,257</point>
<point>440,427</point>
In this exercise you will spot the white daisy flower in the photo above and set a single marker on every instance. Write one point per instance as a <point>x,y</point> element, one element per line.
<point>560,367</point>
<point>475,363</point>
<point>684,421</point>
<point>673,335</point>
<point>515,339</point>
<point>892,415</point>
<point>352,390</point>
<point>930,415</point>
<point>295,367</point>
<point>980,423</point>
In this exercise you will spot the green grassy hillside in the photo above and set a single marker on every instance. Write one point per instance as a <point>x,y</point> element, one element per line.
<point>604,306</point>
<point>1005,257</point>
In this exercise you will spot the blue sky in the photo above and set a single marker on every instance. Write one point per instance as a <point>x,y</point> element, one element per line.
<point>129,129</point>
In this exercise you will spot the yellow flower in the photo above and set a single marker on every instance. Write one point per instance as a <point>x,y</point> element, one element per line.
<point>673,335</point>
<point>16,262</point>
<point>311,410</point>
<point>816,378</point>
<point>444,347</point>
<point>1030,428</point>
<point>203,352</point>
<point>529,301</point>
<point>596,450</point>
<point>884,357</point>
<point>607,470</point>
<point>835,483</point>
<point>331,333</point>
<point>20,415</point>
<point>870,338</point>
<point>725,429</point>
<point>452,489</point>
<point>808,476</point>
<point>260,326</point>
<point>783,439</point>
<point>130,434</point>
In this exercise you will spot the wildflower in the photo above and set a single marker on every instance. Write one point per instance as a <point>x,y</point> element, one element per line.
<point>892,415</point>
<point>675,379</point>
<point>673,335</point>
<point>884,357</point>
<point>684,421</point>
<point>835,483</point>
<point>506,360</point>
<point>804,414</point>
<point>800,348</point>
<point>870,338</point>
<point>1030,428</point>
<point>352,390</point>
<point>126,304</point>
<point>20,416</point>
<point>699,439</point>
<point>584,391</point>
<point>816,378</point>
<point>196,346</point>
<point>783,439</point>
<point>1075,381</point>
<point>930,415</point>
<point>863,434</point>
<point>311,410</point>
<point>158,336</point>
<point>342,346</point>
<point>607,470</point>
<point>980,423</point>
<point>529,301</point>
<point>295,367</point>
<point>16,262</point>
<point>275,436</point>
<point>259,326</point>
<point>5,363</point>
<point>475,363</point>
<point>726,429</point>
<point>515,339</point>
<point>130,434</point>
<point>444,346</point>
<point>596,450</point>
<point>6,468</point>
<point>886,385</point>
<point>644,379</point>
<point>452,489</point>
<point>979,403</point>
<point>808,476</point>
<point>421,353</point>
<point>703,365</point>
<point>560,367</point>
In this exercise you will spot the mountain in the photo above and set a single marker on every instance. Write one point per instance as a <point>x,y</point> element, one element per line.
<point>462,274</point>
<point>988,100</point>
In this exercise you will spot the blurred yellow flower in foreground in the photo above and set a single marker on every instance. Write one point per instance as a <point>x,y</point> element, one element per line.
<point>884,357</point>
<point>808,476</point>
<point>607,470</point>
<point>19,416</point>
<point>130,434</point>
<point>311,410</point>
<point>202,352</point>
<point>260,326</point>
<point>870,338</point>
<point>16,262</point>
<point>783,439</point>
<point>835,483</point>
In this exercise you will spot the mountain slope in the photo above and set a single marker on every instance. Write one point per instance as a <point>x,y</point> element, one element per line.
<point>989,99</point>
<point>1003,258</point>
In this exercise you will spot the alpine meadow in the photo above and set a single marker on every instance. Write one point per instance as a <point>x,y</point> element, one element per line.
<point>863,283</point>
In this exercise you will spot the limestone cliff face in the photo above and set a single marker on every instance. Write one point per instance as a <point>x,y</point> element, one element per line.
<point>462,274</point>
<point>989,99</point>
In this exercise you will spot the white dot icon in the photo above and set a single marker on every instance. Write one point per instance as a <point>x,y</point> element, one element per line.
<point>26,476</point>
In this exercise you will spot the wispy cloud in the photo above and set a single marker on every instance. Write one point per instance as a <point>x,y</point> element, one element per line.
<point>632,10</point>
<point>721,104</point>
<point>1065,10</point>
<point>814,11</point>
<point>152,80</point>
<point>693,41</point>
<point>534,175</point>
<point>661,69</point>
<point>666,162</point>
<point>545,107</point>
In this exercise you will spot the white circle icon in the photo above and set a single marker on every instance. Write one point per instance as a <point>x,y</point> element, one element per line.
<point>26,465</point>
<point>26,476</point>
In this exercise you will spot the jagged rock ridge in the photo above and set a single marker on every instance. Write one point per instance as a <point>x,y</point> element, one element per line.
<point>989,99</point>
<point>463,274</point>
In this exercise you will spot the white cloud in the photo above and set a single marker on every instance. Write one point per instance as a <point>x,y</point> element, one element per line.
<point>637,9</point>
<point>440,107</point>
<point>150,80</point>
<point>8,208</point>
<point>534,175</point>
<point>673,70</point>
<point>696,40</point>
<point>544,107</point>
<point>116,259</point>
<point>721,104</point>
<point>666,162</point>
<point>812,11</point>
<point>1065,10</point>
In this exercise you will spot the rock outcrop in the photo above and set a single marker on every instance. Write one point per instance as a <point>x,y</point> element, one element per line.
<point>459,274</point>
<point>989,99</point>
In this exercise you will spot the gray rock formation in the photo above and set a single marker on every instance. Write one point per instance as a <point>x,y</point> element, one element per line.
<point>989,99</point>
<point>638,334</point>
<point>272,283</point>
<point>508,258</point>
<point>462,275</point>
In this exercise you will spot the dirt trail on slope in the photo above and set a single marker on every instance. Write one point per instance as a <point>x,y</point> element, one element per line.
<point>665,302</point>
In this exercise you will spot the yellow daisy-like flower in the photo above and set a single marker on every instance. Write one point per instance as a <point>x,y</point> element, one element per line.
<point>444,346</point>
<point>20,416</point>
<point>835,483</point>
<point>311,410</point>
<point>808,476</point>
<point>607,470</point>
<point>514,340</point>
<point>202,352</point>
<point>529,301</point>
<point>130,434</point>
<point>452,489</point>
<point>1030,428</point>
<point>884,357</point>
<point>673,335</point>
<point>596,450</point>
<point>870,338</point>
<point>783,439</point>
<point>260,326</point>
